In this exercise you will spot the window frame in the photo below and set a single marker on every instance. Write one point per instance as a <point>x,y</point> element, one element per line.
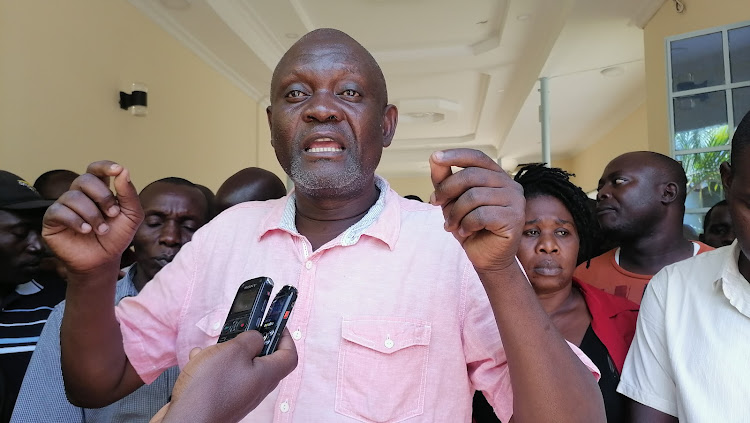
<point>727,87</point>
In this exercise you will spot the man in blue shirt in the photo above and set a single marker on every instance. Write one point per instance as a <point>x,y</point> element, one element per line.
<point>174,209</point>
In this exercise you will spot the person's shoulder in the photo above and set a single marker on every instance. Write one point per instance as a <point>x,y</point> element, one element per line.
<point>608,301</point>
<point>599,262</point>
<point>703,248</point>
<point>693,273</point>
<point>707,260</point>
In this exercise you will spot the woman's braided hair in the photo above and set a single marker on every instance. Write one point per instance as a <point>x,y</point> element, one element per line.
<point>538,180</point>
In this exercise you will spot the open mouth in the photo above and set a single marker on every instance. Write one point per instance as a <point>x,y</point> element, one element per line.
<point>324,145</point>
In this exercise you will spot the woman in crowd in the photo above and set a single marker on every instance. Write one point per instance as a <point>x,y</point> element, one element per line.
<point>557,236</point>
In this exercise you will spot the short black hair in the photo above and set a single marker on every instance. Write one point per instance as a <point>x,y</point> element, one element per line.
<point>707,218</point>
<point>538,180</point>
<point>183,182</point>
<point>741,138</point>
<point>52,176</point>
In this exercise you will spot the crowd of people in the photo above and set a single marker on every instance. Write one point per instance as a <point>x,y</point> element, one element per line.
<point>502,299</point>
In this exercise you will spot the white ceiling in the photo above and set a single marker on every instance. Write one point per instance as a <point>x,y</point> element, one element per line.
<point>462,73</point>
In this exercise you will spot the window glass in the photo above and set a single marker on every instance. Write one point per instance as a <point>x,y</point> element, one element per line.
<point>697,62</point>
<point>704,182</point>
<point>697,118</point>
<point>739,53</point>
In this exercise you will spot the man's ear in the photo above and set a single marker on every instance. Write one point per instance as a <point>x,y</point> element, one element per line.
<point>390,120</point>
<point>670,192</point>
<point>269,115</point>
<point>725,169</point>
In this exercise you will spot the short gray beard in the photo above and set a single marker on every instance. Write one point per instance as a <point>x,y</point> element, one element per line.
<point>350,179</point>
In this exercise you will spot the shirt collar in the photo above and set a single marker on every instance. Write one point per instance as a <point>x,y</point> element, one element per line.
<point>29,288</point>
<point>125,286</point>
<point>378,222</point>
<point>730,281</point>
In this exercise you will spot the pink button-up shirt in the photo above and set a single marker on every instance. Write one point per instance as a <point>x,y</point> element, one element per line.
<point>391,322</point>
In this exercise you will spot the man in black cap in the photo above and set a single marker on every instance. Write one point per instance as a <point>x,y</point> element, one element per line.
<point>24,302</point>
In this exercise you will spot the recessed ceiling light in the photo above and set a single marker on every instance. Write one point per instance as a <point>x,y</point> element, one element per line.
<point>421,117</point>
<point>292,35</point>
<point>176,4</point>
<point>524,17</point>
<point>612,71</point>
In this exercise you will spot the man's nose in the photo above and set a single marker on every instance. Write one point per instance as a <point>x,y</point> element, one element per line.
<point>322,107</point>
<point>602,193</point>
<point>170,234</point>
<point>35,244</point>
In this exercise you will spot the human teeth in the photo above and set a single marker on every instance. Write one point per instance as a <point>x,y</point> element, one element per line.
<point>324,149</point>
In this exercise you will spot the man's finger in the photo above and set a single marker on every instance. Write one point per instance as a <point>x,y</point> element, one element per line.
<point>83,206</point>
<point>476,197</point>
<point>457,184</point>
<point>59,217</point>
<point>127,195</point>
<point>464,157</point>
<point>251,342</point>
<point>195,351</point>
<point>438,170</point>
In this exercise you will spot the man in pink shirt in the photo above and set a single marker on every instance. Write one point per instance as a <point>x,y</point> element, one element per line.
<point>394,318</point>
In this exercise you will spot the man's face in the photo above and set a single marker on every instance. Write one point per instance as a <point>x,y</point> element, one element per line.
<point>719,231</point>
<point>628,197</point>
<point>172,214</point>
<point>736,181</point>
<point>328,117</point>
<point>21,248</point>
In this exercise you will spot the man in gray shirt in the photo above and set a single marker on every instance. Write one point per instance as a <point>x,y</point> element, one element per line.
<point>174,209</point>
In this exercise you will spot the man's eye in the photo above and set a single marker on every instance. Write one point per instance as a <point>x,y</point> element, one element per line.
<point>295,94</point>
<point>152,223</point>
<point>562,232</point>
<point>350,93</point>
<point>619,181</point>
<point>531,232</point>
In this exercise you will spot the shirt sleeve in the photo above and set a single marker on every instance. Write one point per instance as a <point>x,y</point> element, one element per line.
<point>485,355</point>
<point>149,321</point>
<point>647,374</point>
<point>42,397</point>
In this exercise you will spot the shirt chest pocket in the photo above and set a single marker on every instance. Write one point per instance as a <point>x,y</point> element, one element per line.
<point>382,368</point>
<point>212,323</point>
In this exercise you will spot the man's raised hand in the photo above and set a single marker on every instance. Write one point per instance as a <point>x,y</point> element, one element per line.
<point>90,226</point>
<point>483,207</point>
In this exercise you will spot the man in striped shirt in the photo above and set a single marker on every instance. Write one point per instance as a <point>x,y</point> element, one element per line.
<point>25,303</point>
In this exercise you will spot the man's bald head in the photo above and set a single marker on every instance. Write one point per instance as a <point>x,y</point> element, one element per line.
<point>249,184</point>
<point>665,168</point>
<point>315,41</point>
<point>51,185</point>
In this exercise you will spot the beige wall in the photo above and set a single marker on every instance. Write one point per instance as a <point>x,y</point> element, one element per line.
<point>62,64</point>
<point>629,135</point>
<point>698,15</point>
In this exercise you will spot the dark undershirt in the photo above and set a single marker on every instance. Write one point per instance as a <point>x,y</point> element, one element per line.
<point>592,346</point>
<point>614,403</point>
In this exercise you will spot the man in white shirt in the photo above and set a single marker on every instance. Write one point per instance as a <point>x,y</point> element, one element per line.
<point>688,361</point>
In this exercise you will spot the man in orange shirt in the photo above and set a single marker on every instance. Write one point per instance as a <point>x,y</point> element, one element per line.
<point>640,204</point>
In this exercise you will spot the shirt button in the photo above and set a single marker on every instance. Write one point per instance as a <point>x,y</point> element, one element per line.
<point>308,265</point>
<point>389,343</point>
<point>297,335</point>
<point>217,325</point>
<point>284,407</point>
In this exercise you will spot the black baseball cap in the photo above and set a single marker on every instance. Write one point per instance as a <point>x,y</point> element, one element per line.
<point>17,194</point>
